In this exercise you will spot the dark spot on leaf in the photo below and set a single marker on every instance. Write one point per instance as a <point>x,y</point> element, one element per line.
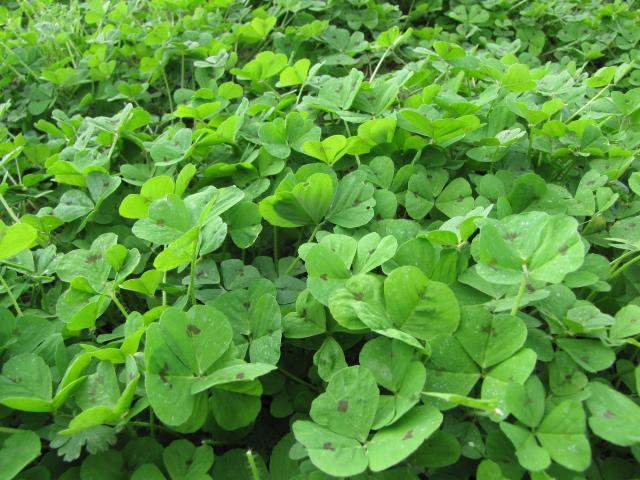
<point>563,250</point>
<point>91,259</point>
<point>408,435</point>
<point>240,376</point>
<point>511,236</point>
<point>323,277</point>
<point>193,330</point>
<point>608,414</point>
<point>163,374</point>
<point>328,446</point>
<point>358,296</point>
<point>343,406</point>
<point>246,305</point>
<point>160,222</point>
<point>189,461</point>
<point>488,330</point>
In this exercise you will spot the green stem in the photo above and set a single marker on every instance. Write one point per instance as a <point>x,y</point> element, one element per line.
<point>164,292</point>
<point>384,55</point>
<point>24,65</point>
<point>192,272</point>
<point>255,475</point>
<point>9,210</point>
<point>276,253</point>
<point>11,296</point>
<point>152,424</point>
<point>621,269</point>
<point>297,379</point>
<point>300,92</point>
<point>593,99</point>
<point>521,290</point>
<point>614,263</point>
<point>11,430</point>
<point>137,423</point>
<point>119,305</point>
<point>168,90</point>
<point>297,259</point>
<point>346,126</point>
<point>182,70</point>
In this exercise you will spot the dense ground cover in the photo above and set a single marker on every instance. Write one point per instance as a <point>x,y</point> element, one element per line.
<point>395,240</point>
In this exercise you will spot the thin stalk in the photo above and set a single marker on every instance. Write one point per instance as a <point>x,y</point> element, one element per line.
<point>164,292</point>
<point>255,475</point>
<point>622,268</point>
<point>192,272</point>
<point>614,263</point>
<point>276,253</point>
<point>9,210</point>
<point>152,424</point>
<point>11,296</point>
<point>119,305</point>
<point>593,99</point>
<point>182,70</point>
<point>167,89</point>
<point>521,290</point>
<point>297,259</point>
<point>346,126</point>
<point>379,64</point>
<point>297,379</point>
<point>300,92</point>
<point>138,423</point>
<point>24,65</point>
<point>11,430</point>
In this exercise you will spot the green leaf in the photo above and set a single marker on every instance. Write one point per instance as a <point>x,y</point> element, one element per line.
<point>549,246</point>
<point>183,460</point>
<point>419,306</point>
<point>332,453</point>
<point>296,74</point>
<point>329,150</point>
<point>233,410</point>
<point>349,403</point>
<point>526,402</point>
<point>591,355</point>
<point>530,455</point>
<point>266,330</point>
<point>513,370</point>
<point>393,444</point>
<point>490,339</point>
<point>306,203</point>
<point>455,199</point>
<point>180,347</point>
<point>634,182</point>
<point>562,434</point>
<point>353,202</point>
<point>329,359</point>
<point>241,372</point>
<point>25,383</point>
<point>614,416</point>
<point>518,79</point>
<point>16,238</point>
<point>147,284</point>
<point>18,450</point>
